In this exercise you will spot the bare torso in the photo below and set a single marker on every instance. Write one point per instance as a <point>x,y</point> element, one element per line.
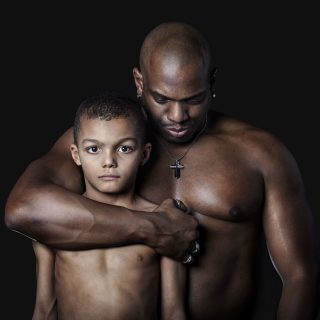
<point>116,283</point>
<point>225,192</point>
<point>237,179</point>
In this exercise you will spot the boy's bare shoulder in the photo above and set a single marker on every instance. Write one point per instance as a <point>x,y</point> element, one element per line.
<point>143,204</point>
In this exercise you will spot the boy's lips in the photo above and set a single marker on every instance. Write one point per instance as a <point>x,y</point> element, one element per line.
<point>108,177</point>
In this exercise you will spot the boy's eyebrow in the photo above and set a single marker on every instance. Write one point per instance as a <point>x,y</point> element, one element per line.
<point>90,140</point>
<point>118,142</point>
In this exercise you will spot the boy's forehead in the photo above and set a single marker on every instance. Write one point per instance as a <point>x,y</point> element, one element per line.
<point>116,128</point>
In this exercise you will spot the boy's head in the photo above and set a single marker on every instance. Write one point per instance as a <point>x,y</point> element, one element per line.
<point>108,106</point>
<point>110,142</point>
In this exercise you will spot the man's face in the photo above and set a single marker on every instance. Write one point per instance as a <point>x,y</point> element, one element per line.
<point>110,154</point>
<point>176,99</point>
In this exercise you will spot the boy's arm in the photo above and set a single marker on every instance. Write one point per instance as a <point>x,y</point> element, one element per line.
<point>46,205</point>
<point>173,285</point>
<point>45,306</point>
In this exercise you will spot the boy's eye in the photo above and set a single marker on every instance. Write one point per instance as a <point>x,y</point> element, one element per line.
<point>93,149</point>
<point>125,149</point>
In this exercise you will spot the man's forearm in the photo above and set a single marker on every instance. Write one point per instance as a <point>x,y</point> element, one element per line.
<point>69,221</point>
<point>298,299</point>
<point>47,212</point>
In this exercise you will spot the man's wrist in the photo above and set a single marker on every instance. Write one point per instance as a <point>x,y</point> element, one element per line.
<point>142,228</point>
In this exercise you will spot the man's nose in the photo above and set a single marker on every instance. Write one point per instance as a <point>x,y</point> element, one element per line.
<point>177,112</point>
<point>108,160</point>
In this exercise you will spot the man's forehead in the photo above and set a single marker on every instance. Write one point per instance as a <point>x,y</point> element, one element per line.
<point>174,73</point>
<point>184,86</point>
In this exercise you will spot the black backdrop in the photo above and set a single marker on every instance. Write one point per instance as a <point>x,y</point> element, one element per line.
<point>54,57</point>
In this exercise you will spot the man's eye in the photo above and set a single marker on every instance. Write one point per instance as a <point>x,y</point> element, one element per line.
<point>195,101</point>
<point>93,149</point>
<point>160,100</point>
<point>125,149</point>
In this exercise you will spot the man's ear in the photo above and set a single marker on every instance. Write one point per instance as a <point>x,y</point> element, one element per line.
<point>138,80</point>
<point>75,154</point>
<point>146,153</point>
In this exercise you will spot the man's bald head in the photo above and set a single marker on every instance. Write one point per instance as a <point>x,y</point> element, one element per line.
<point>175,42</point>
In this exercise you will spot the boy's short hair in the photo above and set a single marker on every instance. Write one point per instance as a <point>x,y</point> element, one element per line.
<point>110,105</point>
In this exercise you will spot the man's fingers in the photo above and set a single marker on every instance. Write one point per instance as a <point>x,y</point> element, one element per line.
<point>179,231</point>
<point>180,205</point>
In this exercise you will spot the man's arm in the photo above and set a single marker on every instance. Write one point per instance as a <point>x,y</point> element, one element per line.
<point>46,205</point>
<point>289,232</point>
<point>173,290</point>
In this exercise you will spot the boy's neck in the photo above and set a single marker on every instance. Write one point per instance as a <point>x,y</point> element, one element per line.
<point>127,199</point>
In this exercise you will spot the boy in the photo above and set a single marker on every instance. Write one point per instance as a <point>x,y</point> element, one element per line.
<point>120,282</point>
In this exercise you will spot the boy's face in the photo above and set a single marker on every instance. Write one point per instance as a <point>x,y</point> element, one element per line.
<point>110,153</point>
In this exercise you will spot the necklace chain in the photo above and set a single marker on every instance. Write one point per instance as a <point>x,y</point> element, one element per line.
<point>188,149</point>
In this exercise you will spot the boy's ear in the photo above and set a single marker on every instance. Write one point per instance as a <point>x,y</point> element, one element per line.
<point>75,154</point>
<point>146,153</point>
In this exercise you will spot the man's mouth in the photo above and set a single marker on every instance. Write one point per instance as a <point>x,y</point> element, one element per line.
<point>177,132</point>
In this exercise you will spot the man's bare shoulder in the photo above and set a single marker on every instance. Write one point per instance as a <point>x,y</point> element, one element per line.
<point>60,151</point>
<point>258,145</point>
<point>57,165</point>
<point>62,145</point>
<point>228,126</point>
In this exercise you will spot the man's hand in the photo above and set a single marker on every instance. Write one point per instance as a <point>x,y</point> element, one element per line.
<point>175,230</point>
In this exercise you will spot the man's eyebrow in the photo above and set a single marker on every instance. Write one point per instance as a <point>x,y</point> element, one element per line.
<point>196,95</point>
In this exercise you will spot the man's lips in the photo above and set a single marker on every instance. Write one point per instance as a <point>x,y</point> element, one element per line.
<point>108,177</point>
<point>177,132</point>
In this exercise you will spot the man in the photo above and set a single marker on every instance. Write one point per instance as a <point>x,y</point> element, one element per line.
<point>233,177</point>
<point>110,146</point>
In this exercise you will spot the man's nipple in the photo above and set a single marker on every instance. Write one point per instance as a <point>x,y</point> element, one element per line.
<point>235,213</point>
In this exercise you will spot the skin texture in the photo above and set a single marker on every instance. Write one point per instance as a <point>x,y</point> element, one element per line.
<point>238,181</point>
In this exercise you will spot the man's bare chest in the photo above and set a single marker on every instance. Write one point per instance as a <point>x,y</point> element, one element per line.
<point>218,186</point>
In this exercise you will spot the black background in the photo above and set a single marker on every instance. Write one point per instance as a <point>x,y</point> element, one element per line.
<point>54,57</point>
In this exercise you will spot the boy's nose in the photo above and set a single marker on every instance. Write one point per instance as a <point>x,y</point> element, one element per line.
<point>109,161</point>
